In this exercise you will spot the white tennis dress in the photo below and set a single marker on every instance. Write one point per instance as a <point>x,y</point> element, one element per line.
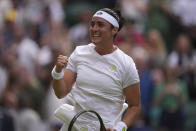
<point>99,85</point>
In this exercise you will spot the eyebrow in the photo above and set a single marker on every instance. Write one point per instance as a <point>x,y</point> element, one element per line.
<point>97,21</point>
<point>100,22</point>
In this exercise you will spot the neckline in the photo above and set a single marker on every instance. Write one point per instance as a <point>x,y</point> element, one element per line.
<point>109,54</point>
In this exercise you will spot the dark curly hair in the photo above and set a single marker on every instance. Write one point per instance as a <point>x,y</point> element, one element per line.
<point>117,15</point>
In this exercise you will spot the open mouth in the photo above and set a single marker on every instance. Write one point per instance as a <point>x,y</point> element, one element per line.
<point>95,36</point>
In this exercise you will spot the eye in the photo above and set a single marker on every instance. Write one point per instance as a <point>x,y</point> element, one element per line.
<point>100,24</point>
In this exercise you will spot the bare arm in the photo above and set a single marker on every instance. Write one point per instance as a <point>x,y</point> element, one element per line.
<point>63,86</point>
<point>132,94</point>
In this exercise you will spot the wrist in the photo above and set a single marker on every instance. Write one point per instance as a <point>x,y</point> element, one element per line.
<point>120,126</point>
<point>57,70</point>
<point>57,75</point>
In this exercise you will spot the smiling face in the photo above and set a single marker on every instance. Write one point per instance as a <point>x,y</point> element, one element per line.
<point>101,31</point>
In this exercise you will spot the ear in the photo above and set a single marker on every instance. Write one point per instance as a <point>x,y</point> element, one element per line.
<point>114,30</point>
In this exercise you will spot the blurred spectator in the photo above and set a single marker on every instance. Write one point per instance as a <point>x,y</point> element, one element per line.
<point>8,31</point>
<point>158,18</point>
<point>56,10</point>
<point>141,58</point>
<point>44,60</point>
<point>140,125</point>
<point>31,11</point>
<point>154,114</point>
<point>8,103</point>
<point>109,3</point>
<point>80,32</point>
<point>183,60</point>
<point>130,35</point>
<point>45,23</point>
<point>74,8</point>
<point>3,78</point>
<point>28,119</point>
<point>8,59</point>
<point>185,9</point>
<point>155,45</point>
<point>21,81</point>
<point>170,97</point>
<point>26,49</point>
<point>49,100</point>
<point>3,70</point>
<point>135,10</point>
<point>61,40</point>
<point>23,85</point>
<point>5,6</point>
<point>6,120</point>
<point>52,43</point>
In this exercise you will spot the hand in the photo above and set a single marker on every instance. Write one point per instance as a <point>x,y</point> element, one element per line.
<point>61,63</point>
<point>109,129</point>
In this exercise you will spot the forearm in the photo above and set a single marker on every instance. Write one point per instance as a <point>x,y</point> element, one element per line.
<point>132,94</point>
<point>60,88</point>
<point>131,115</point>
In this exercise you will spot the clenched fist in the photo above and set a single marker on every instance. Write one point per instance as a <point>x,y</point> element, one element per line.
<point>61,63</point>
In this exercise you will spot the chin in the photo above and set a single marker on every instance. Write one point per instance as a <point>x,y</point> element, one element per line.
<point>95,42</point>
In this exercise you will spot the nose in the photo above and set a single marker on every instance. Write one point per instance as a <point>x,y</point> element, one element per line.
<point>95,28</point>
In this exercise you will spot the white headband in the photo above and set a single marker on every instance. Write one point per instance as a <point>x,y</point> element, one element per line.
<point>107,17</point>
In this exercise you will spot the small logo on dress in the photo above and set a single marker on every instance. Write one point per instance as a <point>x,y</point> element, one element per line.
<point>99,13</point>
<point>84,128</point>
<point>113,67</point>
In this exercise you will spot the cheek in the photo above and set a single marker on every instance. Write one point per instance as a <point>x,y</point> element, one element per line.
<point>90,30</point>
<point>108,34</point>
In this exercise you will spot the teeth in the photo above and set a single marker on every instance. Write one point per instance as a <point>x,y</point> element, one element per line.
<point>95,35</point>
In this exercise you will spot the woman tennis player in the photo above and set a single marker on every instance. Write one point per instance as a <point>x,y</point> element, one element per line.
<point>104,77</point>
